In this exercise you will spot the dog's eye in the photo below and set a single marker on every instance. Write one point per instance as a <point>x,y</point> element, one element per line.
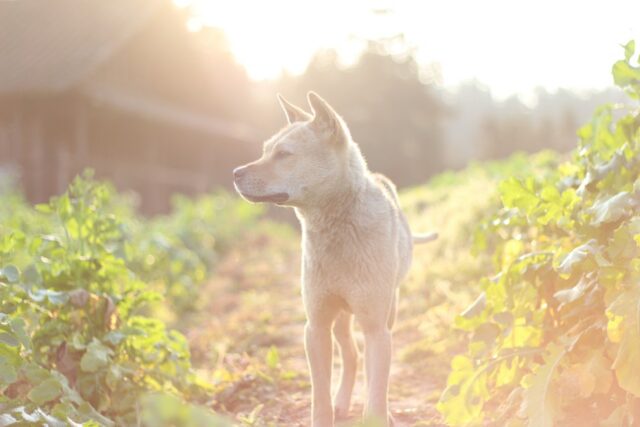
<point>282,154</point>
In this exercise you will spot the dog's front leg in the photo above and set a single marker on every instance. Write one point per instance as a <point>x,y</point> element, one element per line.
<point>319,349</point>
<point>378,362</point>
<point>342,331</point>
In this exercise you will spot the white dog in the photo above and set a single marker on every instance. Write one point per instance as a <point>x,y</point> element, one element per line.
<point>356,248</point>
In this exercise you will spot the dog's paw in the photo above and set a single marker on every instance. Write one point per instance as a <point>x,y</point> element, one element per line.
<point>322,422</point>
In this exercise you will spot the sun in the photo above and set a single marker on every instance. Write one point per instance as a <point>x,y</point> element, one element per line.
<point>269,38</point>
<point>265,41</point>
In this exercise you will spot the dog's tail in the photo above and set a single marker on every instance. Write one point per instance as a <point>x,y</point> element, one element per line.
<point>424,238</point>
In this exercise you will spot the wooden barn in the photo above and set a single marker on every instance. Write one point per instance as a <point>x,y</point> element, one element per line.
<point>120,86</point>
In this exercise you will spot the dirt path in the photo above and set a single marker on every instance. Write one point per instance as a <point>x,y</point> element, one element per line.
<point>252,307</point>
<point>411,395</point>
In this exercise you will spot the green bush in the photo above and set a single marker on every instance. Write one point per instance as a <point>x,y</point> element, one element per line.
<point>555,336</point>
<point>179,251</point>
<point>74,347</point>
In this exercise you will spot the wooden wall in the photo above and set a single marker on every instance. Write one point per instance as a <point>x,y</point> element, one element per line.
<point>51,139</point>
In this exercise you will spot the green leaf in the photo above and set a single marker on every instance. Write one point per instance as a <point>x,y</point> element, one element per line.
<point>114,375</point>
<point>612,209</point>
<point>32,275</point>
<point>96,356</point>
<point>625,365</point>
<point>461,401</point>
<point>624,74</point>
<point>38,295</point>
<point>629,50</point>
<point>35,374</point>
<point>18,325</point>
<point>550,194</point>
<point>46,391</point>
<point>9,339</point>
<point>505,318</point>
<point>578,256</point>
<point>566,296</point>
<point>540,400</point>
<point>54,297</point>
<point>114,337</point>
<point>57,297</point>
<point>272,358</point>
<point>515,194</point>
<point>44,208</point>
<point>8,372</point>
<point>11,273</point>
<point>486,332</point>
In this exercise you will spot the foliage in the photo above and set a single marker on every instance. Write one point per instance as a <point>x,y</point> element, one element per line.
<point>554,337</point>
<point>179,251</point>
<point>438,284</point>
<point>74,347</point>
<point>405,142</point>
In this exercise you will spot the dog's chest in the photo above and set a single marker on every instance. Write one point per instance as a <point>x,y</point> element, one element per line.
<point>348,259</point>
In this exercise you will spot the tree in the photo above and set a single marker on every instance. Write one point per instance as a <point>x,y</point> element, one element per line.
<point>392,114</point>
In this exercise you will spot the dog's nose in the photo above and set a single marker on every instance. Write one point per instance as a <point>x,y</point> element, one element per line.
<point>239,172</point>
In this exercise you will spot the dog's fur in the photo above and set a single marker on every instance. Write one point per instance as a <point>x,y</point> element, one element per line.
<point>356,248</point>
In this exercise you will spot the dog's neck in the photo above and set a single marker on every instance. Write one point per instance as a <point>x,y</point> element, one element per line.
<point>333,209</point>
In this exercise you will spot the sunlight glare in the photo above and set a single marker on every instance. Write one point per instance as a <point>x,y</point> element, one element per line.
<point>271,37</point>
<point>512,47</point>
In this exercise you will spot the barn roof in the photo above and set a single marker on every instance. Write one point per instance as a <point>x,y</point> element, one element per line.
<point>49,46</point>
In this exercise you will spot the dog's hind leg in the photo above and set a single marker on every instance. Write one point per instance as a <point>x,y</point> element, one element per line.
<point>343,331</point>
<point>377,340</point>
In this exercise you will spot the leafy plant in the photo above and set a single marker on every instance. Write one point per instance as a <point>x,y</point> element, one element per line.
<point>178,251</point>
<point>74,347</point>
<point>555,336</point>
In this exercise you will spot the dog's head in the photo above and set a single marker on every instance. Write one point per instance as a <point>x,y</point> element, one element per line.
<point>300,163</point>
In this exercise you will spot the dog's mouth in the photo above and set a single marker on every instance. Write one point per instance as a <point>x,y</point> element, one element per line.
<point>277,198</point>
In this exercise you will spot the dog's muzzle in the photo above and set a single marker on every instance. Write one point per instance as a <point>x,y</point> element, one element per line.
<point>277,198</point>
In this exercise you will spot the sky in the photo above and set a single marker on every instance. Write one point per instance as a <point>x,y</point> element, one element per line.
<point>511,47</point>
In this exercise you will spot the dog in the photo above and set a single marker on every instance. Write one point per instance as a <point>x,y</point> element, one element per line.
<point>356,249</point>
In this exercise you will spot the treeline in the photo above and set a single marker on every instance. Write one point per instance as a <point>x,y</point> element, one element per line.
<point>408,127</point>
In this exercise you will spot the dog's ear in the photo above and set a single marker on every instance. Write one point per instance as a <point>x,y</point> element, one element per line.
<point>325,117</point>
<point>293,113</point>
